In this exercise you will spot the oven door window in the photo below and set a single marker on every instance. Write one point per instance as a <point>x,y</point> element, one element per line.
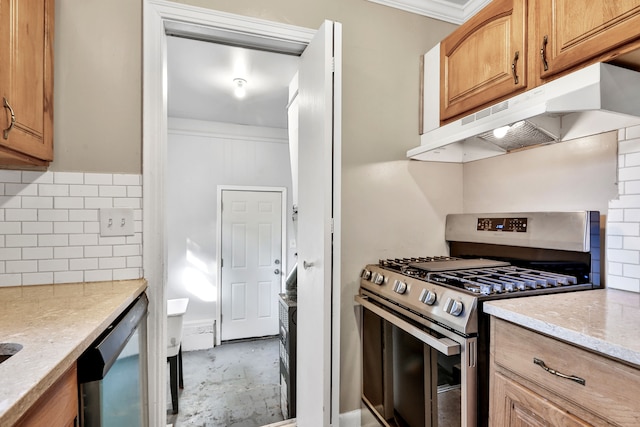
<point>406,382</point>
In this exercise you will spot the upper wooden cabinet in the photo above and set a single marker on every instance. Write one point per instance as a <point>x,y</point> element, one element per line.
<point>515,45</point>
<point>26,82</point>
<point>485,59</point>
<point>574,31</point>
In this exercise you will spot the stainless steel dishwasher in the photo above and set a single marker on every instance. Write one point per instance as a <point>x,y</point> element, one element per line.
<point>112,373</point>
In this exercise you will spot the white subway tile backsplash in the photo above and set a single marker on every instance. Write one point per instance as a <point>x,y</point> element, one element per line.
<point>629,173</point>
<point>98,202</point>
<point>126,274</point>
<point>10,254</point>
<point>10,202</point>
<point>632,132</point>
<point>53,240</point>
<point>37,177</point>
<point>623,256</point>
<point>127,250</point>
<point>112,191</point>
<point>10,176</point>
<point>10,227</point>
<point>68,276</point>
<point>53,215</point>
<point>98,251</point>
<point>21,240</point>
<point>121,179</point>
<point>83,190</point>
<point>68,178</point>
<point>68,203</point>
<point>83,215</point>
<point>21,215</point>
<point>21,189</point>
<point>54,190</point>
<point>111,263</point>
<point>83,264</point>
<point>623,283</point>
<point>53,265</point>
<point>68,227</point>
<point>36,202</point>
<point>68,252</point>
<point>37,253</point>
<point>83,239</point>
<point>98,178</point>
<point>98,275</point>
<point>37,278</point>
<point>41,227</point>
<point>49,229</point>
<point>10,279</point>
<point>24,266</point>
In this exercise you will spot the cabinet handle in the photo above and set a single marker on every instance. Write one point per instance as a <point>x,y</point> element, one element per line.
<point>558,374</point>
<point>543,53</point>
<point>513,67</point>
<point>5,133</point>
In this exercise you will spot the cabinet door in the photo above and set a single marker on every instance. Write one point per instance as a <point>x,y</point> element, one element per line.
<point>515,405</point>
<point>485,59</point>
<point>26,78</point>
<point>579,30</point>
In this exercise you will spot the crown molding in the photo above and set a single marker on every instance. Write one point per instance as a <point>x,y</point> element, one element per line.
<point>438,9</point>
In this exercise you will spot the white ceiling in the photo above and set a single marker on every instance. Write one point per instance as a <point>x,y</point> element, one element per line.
<point>200,83</point>
<point>200,73</point>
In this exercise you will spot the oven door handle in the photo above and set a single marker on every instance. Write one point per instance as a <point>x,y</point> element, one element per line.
<point>445,346</point>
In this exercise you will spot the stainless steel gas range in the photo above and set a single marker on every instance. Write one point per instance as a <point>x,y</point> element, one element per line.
<point>425,340</point>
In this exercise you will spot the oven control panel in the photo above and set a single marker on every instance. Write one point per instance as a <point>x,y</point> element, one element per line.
<point>517,225</point>
<point>440,304</point>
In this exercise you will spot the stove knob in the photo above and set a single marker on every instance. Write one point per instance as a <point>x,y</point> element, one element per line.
<point>377,278</point>
<point>399,287</point>
<point>365,274</point>
<point>453,307</point>
<point>428,297</point>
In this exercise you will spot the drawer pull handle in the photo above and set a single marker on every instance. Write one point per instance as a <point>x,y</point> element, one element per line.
<point>5,133</point>
<point>514,69</point>
<point>543,53</point>
<point>556,373</point>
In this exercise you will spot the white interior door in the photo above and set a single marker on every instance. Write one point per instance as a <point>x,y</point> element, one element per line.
<point>318,201</point>
<point>251,255</point>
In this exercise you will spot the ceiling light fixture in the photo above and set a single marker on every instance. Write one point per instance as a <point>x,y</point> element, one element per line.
<point>240,88</point>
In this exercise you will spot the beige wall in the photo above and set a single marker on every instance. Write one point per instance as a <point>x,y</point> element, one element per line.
<point>390,206</point>
<point>573,175</point>
<point>98,86</point>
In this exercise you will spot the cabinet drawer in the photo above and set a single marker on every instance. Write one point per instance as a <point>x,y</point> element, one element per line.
<point>610,388</point>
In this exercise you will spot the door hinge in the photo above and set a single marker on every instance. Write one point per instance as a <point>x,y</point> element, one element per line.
<point>221,263</point>
<point>333,64</point>
<point>331,225</point>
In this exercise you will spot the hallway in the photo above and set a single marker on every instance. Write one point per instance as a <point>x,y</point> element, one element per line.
<point>233,385</point>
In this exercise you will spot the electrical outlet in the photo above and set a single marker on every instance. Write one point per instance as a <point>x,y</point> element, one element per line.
<point>116,222</point>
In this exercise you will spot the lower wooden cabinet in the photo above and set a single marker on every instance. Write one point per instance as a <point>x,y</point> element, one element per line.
<point>58,406</point>
<point>537,380</point>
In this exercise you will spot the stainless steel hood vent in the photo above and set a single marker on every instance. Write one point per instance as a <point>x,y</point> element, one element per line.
<point>593,100</point>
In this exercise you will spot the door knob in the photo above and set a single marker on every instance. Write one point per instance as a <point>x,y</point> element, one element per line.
<point>276,271</point>
<point>307,265</point>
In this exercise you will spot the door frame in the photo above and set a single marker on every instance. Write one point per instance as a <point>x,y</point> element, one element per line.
<point>210,24</point>
<point>283,246</point>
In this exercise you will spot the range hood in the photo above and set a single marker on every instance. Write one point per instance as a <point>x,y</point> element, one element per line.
<point>595,99</point>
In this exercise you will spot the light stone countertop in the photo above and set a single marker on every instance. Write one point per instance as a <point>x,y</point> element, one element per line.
<point>55,324</point>
<point>606,321</point>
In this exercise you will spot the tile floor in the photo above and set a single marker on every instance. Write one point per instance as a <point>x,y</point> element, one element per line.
<point>232,385</point>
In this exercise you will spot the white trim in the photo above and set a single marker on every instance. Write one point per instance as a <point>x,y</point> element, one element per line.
<point>443,10</point>
<point>283,246</point>
<point>226,131</point>
<point>156,13</point>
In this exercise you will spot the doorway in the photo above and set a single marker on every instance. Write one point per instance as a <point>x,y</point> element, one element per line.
<point>321,89</point>
<point>251,239</point>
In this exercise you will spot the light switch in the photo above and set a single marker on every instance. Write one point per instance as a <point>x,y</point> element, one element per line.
<point>116,222</point>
